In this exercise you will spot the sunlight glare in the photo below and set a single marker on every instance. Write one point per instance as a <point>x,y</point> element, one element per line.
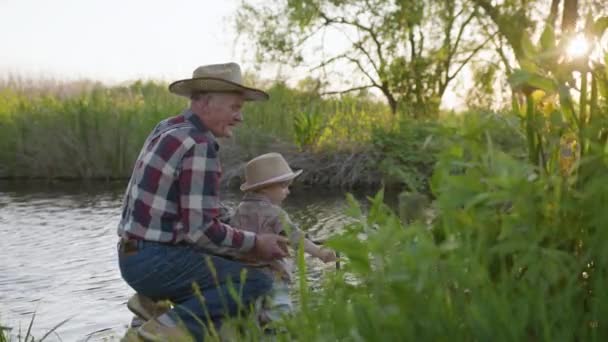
<point>578,47</point>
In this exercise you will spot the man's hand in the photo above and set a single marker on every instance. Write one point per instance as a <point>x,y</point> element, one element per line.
<point>270,247</point>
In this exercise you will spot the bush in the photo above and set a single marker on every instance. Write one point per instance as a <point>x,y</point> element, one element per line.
<point>408,152</point>
<point>510,256</point>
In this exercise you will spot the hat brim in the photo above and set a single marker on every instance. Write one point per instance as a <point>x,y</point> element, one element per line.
<point>189,86</point>
<point>283,178</point>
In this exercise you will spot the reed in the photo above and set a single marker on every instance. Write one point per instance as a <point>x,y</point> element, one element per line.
<point>95,132</point>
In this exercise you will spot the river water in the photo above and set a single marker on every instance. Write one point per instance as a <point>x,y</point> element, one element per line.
<point>58,254</point>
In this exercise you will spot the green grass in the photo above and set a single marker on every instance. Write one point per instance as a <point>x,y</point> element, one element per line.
<point>509,257</point>
<point>95,132</point>
<point>8,334</point>
<point>305,119</point>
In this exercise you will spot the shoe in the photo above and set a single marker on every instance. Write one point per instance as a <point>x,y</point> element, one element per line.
<point>136,322</point>
<point>153,331</point>
<point>131,336</point>
<point>145,307</point>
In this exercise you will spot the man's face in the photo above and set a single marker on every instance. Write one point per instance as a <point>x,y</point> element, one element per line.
<point>220,112</point>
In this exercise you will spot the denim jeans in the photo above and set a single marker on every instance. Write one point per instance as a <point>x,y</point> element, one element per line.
<point>162,272</point>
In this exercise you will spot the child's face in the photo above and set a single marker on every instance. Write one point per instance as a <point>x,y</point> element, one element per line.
<point>277,192</point>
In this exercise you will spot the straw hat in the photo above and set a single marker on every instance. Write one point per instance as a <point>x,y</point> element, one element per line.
<point>269,168</point>
<point>217,78</point>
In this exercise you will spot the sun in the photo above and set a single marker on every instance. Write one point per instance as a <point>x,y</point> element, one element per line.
<point>578,47</point>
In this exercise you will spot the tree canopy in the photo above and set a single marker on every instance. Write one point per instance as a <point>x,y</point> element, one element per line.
<point>410,51</point>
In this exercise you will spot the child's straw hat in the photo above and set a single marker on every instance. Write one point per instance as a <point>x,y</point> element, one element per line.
<point>269,168</point>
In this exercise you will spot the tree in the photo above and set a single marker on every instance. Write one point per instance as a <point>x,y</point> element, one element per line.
<point>516,20</point>
<point>409,50</point>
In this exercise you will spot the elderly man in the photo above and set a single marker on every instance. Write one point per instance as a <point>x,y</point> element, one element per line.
<point>170,233</point>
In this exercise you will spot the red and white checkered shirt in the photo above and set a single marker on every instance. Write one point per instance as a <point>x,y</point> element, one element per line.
<point>173,194</point>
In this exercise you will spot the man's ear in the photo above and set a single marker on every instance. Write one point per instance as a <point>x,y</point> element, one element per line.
<point>200,104</point>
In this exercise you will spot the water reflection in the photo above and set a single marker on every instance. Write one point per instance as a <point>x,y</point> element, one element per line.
<point>59,260</point>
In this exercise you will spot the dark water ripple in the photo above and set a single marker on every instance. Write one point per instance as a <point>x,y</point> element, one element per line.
<point>58,255</point>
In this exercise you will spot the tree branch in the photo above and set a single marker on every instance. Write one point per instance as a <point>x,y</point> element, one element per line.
<point>347,90</point>
<point>359,45</point>
<point>358,63</point>
<point>461,31</point>
<point>473,53</point>
<point>569,16</point>
<point>504,22</point>
<point>350,59</point>
<point>499,48</point>
<point>369,30</point>
<point>329,61</point>
<point>553,13</point>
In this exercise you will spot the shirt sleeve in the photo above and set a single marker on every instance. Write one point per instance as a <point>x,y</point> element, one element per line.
<point>199,181</point>
<point>284,225</point>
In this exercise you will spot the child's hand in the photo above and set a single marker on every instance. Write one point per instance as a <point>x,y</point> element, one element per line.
<point>327,255</point>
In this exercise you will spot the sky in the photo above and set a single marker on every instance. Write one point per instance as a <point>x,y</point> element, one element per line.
<point>117,41</point>
<point>114,40</point>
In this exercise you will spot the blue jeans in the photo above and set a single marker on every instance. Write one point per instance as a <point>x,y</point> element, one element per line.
<point>162,271</point>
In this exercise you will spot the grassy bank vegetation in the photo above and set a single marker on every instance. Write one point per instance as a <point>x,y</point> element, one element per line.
<point>516,250</point>
<point>95,132</point>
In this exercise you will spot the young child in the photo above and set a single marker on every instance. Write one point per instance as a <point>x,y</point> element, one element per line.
<point>267,180</point>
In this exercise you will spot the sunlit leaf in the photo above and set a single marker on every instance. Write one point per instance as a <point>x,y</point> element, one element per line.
<point>527,46</point>
<point>529,66</point>
<point>547,38</point>
<point>566,104</point>
<point>600,26</point>
<point>521,78</point>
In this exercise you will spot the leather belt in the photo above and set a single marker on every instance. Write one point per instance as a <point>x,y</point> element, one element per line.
<point>130,246</point>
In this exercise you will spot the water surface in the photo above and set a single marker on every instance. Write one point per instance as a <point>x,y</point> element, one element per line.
<point>58,254</point>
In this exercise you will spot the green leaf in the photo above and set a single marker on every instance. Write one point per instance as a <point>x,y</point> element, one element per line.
<point>606,64</point>
<point>354,209</point>
<point>518,78</point>
<point>355,250</point>
<point>602,87</point>
<point>600,26</point>
<point>527,47</point>
<point>528,65</point>
<point>543,83</point>
<point>521,78</point>
<point>566,104</point>
<point>547,39</point>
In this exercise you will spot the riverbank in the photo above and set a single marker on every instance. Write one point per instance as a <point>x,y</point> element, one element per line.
<point>341,169</point>
<point>92,132</point>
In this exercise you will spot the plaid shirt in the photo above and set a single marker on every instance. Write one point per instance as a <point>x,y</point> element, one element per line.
<point>173,194</point>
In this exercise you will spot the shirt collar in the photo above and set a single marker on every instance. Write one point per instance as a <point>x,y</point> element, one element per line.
<point>196,121</point>
<point>256,196</point>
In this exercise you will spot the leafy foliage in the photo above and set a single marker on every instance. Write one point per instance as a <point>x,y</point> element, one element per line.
<point>408,154</point>
<point>407,50</point>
